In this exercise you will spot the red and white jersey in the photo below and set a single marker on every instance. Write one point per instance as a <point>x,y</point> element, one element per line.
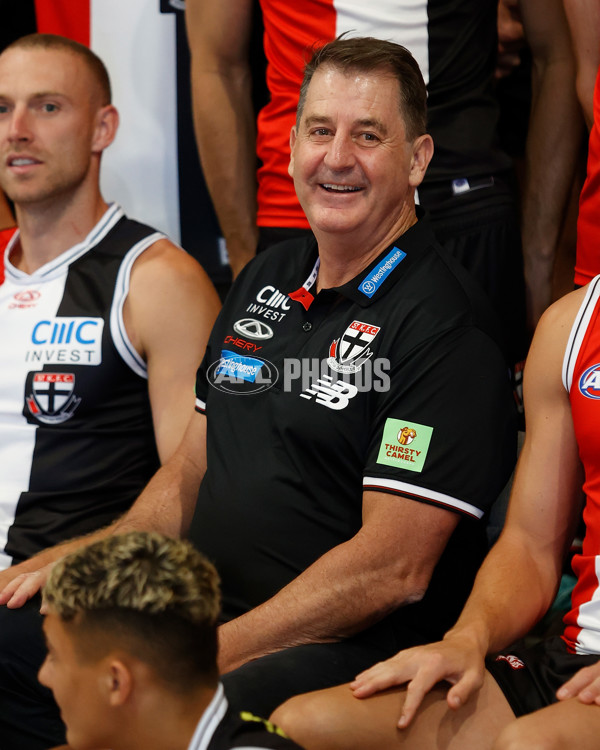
<point>453,42</point>
<point>581,377</point>
<point>587,263</point>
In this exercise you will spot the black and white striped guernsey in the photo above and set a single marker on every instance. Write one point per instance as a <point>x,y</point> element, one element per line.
<point>76,437</point>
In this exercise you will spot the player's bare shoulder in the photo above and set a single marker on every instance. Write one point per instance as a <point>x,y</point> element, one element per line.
<point>558,319</point>
<point>165,263</point>
<point>169,289</point>
<point>551,337</point>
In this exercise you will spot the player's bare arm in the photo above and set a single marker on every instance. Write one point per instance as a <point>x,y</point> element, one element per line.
<point>551,153</point>
<point>218,35</point>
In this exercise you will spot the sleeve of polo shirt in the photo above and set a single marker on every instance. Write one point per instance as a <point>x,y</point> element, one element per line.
<point>201,380</point>
<point>445,430</point>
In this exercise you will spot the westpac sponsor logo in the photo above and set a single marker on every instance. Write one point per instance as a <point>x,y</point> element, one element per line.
<point>376,276</point>
<point>73,340</point>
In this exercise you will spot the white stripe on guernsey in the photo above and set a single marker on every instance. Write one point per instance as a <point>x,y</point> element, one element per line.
<point>578,330</point>
<point>207,725</point>
<point>17,436</point>
<point>201,404</point>
<point>588,640</point>
<point>117,327</point>
<point>413,490</point>
<point>137,43</point>
<point>57,266</point>
<point>402,21</point>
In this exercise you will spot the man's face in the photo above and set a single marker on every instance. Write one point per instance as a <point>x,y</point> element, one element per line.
<point>78,688</point>
<point>351,162</point>
<point>49,104</point>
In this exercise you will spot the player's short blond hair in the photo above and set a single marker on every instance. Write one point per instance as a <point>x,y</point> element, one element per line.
<point>63,44</point>
<point>155,597</point>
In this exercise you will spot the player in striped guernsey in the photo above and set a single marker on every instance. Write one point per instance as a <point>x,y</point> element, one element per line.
<point>96,309</point>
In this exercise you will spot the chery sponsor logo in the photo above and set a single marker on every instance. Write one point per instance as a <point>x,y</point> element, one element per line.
<point>25,299</point>
<point>253,329</point>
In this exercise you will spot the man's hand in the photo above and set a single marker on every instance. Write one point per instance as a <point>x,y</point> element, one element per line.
<point>23,587</point>
<point>455,659</point>
<point>584,685</point>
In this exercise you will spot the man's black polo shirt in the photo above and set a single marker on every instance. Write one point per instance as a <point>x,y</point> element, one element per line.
<point>392,382</point>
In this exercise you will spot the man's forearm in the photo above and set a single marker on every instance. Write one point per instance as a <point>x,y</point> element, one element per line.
<point>512,591</point>
<point>166,505</point>
<point>555,129</point>
<point>342,593</point>
<point>226,138</point>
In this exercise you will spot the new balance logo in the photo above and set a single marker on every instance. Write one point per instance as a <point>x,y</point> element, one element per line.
<point>332,395</point>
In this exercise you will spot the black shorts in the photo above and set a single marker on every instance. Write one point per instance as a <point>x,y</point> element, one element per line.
<point>482,230</point>
<point>530,676</point>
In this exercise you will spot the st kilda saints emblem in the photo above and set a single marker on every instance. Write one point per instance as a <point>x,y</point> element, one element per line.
<point>349,353</point>
<point>50,397</point>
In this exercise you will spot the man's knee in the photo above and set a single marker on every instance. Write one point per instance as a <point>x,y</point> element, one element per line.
<point>528,733</point>
<point>297,714</point>
<point>307,719</point>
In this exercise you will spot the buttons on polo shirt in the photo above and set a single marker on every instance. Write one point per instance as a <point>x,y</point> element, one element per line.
<point>307,326</point>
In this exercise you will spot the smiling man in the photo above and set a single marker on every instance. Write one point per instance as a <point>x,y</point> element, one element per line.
<point>354,419</point>
<point>334,536</point>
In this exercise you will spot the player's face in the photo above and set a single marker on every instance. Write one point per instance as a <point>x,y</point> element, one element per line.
<point>49,107</point>
<point>78,689</point>
<point>351,163</point>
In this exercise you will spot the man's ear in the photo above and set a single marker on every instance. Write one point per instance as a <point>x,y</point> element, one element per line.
<point>293,136</point>
<point>117,682</point>
<point>107,122</point>
<point>421,156</point>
